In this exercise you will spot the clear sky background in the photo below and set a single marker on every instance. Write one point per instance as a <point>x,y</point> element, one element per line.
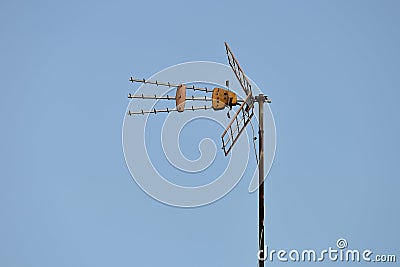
<point>66,196</point>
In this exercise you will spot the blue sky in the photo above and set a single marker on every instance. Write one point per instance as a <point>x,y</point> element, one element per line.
<point>67,197</point>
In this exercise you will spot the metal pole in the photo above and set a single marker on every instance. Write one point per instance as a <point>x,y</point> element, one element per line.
<point>261,99</point>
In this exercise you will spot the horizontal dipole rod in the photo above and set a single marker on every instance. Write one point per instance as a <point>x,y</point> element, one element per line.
<point>205,89</point>
<point>155,111</point>
<point>167,97</point>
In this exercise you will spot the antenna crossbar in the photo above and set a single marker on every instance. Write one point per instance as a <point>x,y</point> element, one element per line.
<point>167,110</point>
<point>167,97</point>
<point>144,81</point>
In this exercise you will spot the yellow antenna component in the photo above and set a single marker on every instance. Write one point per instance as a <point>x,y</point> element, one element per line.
<point>180,97</point>
<point>222,98</point>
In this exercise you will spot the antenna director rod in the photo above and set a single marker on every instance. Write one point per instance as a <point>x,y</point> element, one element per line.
<point>167,97</point>
<point>168,84</point>
<point>155,111</point>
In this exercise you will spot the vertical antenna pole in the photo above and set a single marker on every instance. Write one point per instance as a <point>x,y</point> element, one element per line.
<point>261,99</point>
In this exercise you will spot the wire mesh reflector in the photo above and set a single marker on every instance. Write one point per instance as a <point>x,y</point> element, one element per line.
<point>244,82</point>
<point>237,124</point>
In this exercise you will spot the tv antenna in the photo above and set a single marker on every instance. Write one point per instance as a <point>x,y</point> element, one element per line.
<point>220,99</point>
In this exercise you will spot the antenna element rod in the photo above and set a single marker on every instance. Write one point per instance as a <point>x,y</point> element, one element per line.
<point>155,111</point>
<point>167,97</point>
<point>169,84</point>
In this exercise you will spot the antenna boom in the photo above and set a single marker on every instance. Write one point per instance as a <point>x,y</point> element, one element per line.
<point>167,97</point>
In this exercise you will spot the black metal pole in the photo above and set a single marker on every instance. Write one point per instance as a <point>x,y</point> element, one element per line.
<point>261,99</point>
